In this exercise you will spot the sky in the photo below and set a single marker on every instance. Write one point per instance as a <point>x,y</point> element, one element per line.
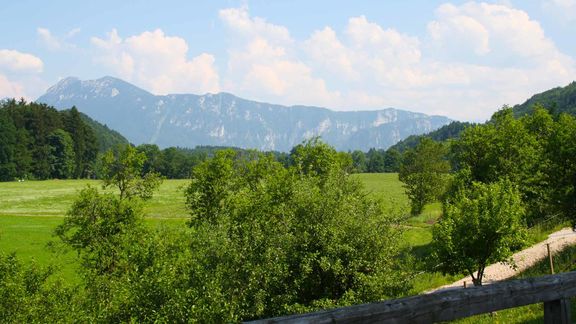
<point>461,59</point>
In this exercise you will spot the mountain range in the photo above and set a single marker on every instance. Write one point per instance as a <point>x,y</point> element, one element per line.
<point>188,120</point>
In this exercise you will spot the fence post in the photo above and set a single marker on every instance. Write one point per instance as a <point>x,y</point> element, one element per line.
<point>557,311</point>
<point>550,258</point>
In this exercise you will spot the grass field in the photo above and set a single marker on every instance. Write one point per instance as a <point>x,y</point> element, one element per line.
<point>29,212</point>
<point>54,197</point>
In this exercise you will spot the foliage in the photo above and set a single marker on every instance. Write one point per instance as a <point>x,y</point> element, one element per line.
<point>36,141</point>
<point>285,240</point>
<point>423,172</point>
<point>85,143</point>
<point>27,296</point>
<point>561,150</point>
<point>122,169</point>
<point>94,217</point>
<point>482,224</point>
<point>106,138</point>
<point>62,154</point>
<point>534,152</point>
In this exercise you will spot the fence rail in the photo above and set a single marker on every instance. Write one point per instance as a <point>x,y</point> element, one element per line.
<point>552,290</point>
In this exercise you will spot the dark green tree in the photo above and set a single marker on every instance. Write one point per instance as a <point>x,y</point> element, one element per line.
<point>561,151</point>
<point>359,161</point>
<point>62,154</point>
<point>8,143</point>
<point>392,160</point>
<point>122,169</point>
<point>375,161</point>
<point>424,172</point>
<point>85,144</point>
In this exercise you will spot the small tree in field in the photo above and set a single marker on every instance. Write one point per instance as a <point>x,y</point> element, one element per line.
<point>423,172</point>
<point>123,169</point>
<point>482,224</point>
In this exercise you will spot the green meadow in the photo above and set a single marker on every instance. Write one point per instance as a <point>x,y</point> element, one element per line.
<point>30,210</point>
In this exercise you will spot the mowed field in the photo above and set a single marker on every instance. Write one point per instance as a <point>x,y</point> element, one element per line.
<point>30,210</point>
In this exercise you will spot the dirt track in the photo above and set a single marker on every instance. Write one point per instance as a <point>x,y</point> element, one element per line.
<point>524,259</point>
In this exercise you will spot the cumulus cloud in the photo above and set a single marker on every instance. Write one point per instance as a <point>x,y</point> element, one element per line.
<point>20,62</point>
<point>502,34</point>
<point>18,73</point>
<point>498,53</point>
<point>263,63</point>
<point>475,58</point>
<point>472,59</point>
<point>239,20</point>
<point>56,43</point>
<point>158,62</point>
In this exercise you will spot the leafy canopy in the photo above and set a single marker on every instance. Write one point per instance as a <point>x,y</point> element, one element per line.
<point>482,224</point>
<point>423,172</point>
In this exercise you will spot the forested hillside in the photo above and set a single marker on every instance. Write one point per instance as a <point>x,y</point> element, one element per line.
<point>557,100</point>
<point>443,133</point>
<point>39,142</point>
<point>107,138</point>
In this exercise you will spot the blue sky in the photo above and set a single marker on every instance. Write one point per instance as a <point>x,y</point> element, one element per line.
<point>461,59</point>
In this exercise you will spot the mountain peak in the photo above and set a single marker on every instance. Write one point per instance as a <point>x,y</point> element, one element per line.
<point>63,84</point>
<point>107,86</point>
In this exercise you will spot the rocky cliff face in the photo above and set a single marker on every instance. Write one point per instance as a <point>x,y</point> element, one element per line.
<point>187,120</point>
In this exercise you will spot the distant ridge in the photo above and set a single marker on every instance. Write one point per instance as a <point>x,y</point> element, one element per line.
<point>188,120</point>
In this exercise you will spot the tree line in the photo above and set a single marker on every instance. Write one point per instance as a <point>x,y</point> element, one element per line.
<point>38,142</point>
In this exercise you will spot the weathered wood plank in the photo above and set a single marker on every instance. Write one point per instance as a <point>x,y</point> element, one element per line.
<point>447,305</point>
<point>557,311</point>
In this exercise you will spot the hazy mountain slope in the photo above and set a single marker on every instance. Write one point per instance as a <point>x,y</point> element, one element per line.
<point>443,133</point>
<point>557,100</point>
<point>188,120</point>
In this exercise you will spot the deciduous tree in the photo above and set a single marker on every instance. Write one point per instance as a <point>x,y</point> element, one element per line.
<point>482,224</point>
<point>423,172</point>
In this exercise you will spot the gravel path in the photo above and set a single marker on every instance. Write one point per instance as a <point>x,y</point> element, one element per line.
<point>524,259</point>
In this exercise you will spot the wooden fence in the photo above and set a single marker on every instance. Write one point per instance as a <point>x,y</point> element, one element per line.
<point>553,290</point>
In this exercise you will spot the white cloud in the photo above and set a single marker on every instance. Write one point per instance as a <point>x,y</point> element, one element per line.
<point>56,43</point>
<point>239,20</point>
<point>474,58</point>
<point>502,34</point>
<point>329,53</point>
<point>20,62</point>
<point>18,73</point>
<point>10,89</point>
<point>263,63</point>
<point>158,62</point>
